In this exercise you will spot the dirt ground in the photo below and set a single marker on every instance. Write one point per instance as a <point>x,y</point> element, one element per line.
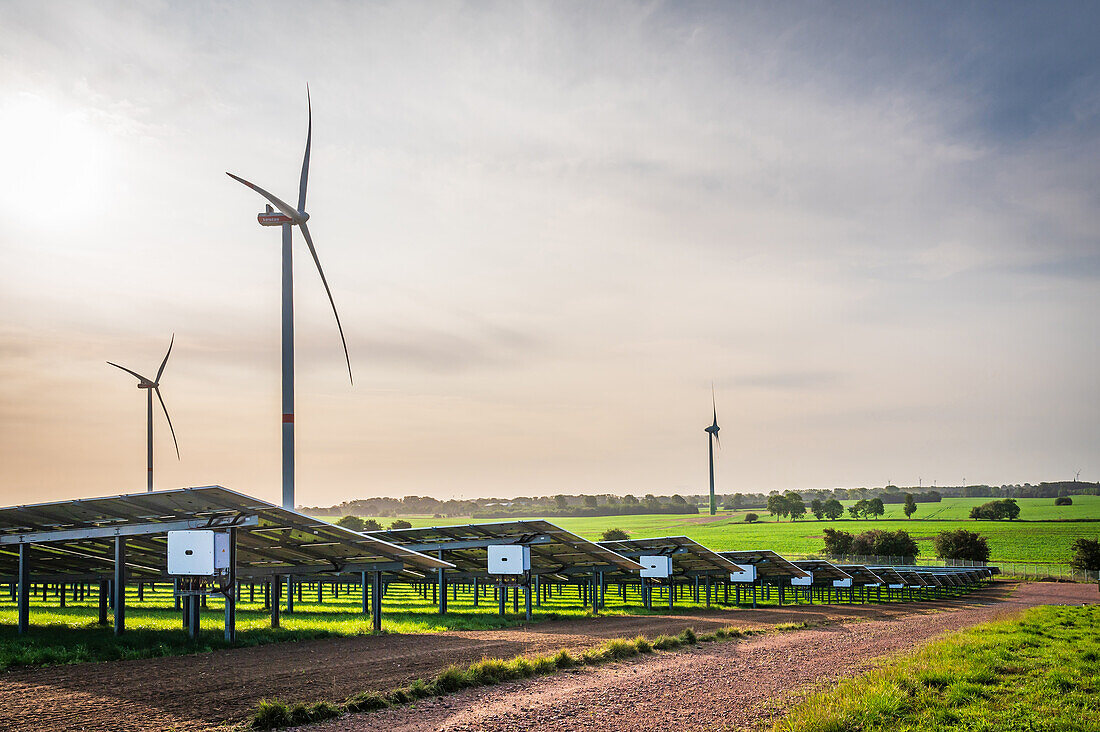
<point>203,691</point>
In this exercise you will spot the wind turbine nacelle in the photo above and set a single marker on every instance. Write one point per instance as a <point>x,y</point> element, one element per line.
<point>273,219</point>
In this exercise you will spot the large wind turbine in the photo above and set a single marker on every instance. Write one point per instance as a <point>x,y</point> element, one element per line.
<point>287,218</point>
<point>151,385</point>
<point>713,432</point>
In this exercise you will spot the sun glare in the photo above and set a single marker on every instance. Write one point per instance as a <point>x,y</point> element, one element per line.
<point>58,160</point>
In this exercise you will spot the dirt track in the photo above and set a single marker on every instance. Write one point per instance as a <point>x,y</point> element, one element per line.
<point>198,692</point>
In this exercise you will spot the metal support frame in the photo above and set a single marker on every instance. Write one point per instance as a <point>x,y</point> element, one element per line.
<point>275,586</point>
<point>376,601</point>
<point>24,597</point>
<point>231,591</point>
<point>442,579</point>
<point>120,585</point>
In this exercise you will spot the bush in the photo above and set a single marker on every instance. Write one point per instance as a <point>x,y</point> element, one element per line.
<point>1086,555</point>
<point>751,518</point>
<point>614,535</point>
<point>1063,501</point>
<point>870,543</point>
<point>961,544</point>
<point>351,522</point>
<point>885,543</point>
<point>1005,508</point>
<point>401,524</point>
<point>837,542</point>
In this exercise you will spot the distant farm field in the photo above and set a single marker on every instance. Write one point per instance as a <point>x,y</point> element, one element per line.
<point>1034,538</point>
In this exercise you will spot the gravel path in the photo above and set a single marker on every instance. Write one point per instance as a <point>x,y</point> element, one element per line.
<point>718,686</point>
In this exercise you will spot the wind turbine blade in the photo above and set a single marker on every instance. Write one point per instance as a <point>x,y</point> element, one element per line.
<point>713,404</point>
<point>305,159</point>
<point>309,243</point>
<point>284,207</point>
<point>162,363</point>
<point>132,373</point>
<point>170,427</point>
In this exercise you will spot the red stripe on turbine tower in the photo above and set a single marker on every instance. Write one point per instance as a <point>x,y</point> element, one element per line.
<point>288,418</point>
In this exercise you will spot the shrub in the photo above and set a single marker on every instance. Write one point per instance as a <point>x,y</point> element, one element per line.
<point>614,535</point>
<point>351,522</point>
<point>1063,501</point>
<point>885,543</point>
<point>961,544</point>
<point>751,518</point>
<point>1086,555</point>
<point>837,542</point>
<point>401,524</point>
<point>687,636</point>
<point>1006,508</point>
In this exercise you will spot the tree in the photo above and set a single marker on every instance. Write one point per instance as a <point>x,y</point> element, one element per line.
<point>777,505</point>
<point>614,535</point>
<point>629,500</point>
<point>590,501</point>
<point>858,509</point>
<point>561,501</point>
<point>401,524</point>
<point>751,518</point>
<point>1063,501</point>
<point>796,509</point>
<point>351,522</point>
<point>961,544</point>
<point>837,542</point>
<point>678,500</point>
<point>833,509</point>
<point>1086,555</point>
<point>875,507</point>
<point>817,508</point>
<point>910,506</point>
<point>371,525</point>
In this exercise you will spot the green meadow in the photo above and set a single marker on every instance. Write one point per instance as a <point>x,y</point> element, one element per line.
<point>1044,532</point>
<point>1039,672</point>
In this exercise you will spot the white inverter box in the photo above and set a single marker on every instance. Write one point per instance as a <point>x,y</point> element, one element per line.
<point>846,582</point>
<point>803,581</point>
<point>656,566</point>
<point>191,552</point>
<point>509,559</point>
<point>748,574</point>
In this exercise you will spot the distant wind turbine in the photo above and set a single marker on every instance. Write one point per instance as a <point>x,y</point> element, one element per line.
<point>713,432</point>
<point>288,217</point>
<point>151,385</point>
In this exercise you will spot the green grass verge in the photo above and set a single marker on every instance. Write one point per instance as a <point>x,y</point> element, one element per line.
<point>1041,672</point>
<point>272,713</point>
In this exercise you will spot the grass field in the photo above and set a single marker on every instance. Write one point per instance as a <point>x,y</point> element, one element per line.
<point>1041,672</point>
<point>1034,540</point>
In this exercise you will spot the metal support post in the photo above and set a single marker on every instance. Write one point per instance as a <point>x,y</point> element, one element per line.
<point>24,598</point>
<point>120,585</point>
<point>376,601</point>
<point>274,588</point>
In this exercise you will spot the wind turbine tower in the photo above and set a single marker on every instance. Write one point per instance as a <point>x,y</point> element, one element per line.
<point>712,440</point>
<point>288,217</point>
<point>151,385</point>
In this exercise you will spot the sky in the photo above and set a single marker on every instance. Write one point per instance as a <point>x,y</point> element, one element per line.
<point>549,228</point>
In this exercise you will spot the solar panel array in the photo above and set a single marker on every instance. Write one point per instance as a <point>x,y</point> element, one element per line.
<point>76,538</point>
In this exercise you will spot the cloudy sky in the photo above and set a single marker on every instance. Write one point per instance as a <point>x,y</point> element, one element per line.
<point>549,227</point>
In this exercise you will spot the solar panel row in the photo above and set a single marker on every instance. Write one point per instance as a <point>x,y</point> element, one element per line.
<point>120,539</point>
